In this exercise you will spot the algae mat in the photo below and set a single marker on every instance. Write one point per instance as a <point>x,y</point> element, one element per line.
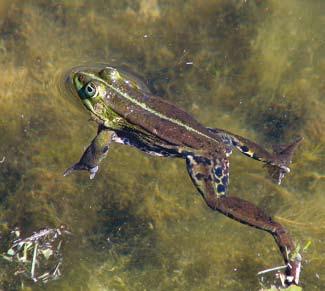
<point>255,68</point>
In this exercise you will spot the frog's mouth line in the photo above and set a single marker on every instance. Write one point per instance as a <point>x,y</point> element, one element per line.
<point>91,108</point>
<point>88,105</point>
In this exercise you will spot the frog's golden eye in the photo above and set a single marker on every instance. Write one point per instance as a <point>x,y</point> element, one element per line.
<point>90,90</point>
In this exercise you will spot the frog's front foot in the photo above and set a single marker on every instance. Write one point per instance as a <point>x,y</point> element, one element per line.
<point>82,167</point>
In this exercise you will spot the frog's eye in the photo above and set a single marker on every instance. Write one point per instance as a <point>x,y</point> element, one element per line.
<point>90,90</point>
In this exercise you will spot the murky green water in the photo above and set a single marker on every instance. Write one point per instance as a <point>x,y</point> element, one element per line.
<point>255,68</point>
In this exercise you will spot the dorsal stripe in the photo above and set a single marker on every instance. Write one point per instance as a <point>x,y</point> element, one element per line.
<point>146,107</point>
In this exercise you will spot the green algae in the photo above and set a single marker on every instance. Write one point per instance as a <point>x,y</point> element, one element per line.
<point>251,67</point>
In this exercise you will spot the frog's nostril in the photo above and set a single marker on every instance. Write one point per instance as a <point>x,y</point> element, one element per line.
<point>78,77</point>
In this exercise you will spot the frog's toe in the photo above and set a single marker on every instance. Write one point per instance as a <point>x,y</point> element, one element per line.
<point>69,171</point>
<point>93,172</point>
<point>285,169</point>
<point>294,269</point>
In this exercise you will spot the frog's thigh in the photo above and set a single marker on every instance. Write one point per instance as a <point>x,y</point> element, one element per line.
<point>209,175</point>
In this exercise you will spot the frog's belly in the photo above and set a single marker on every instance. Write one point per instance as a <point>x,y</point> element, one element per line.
<point>154,150</point>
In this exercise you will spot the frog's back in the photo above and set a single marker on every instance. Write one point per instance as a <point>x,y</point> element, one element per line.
<point>160,118</point>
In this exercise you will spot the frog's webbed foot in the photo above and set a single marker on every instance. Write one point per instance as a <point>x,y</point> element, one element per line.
<point>93,155</point>
<point>278,168</point>
<point>277,173</point>
<point>293,270</point>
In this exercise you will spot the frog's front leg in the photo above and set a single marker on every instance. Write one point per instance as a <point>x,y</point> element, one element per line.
<point>210,176</point>
<point>94,153</point>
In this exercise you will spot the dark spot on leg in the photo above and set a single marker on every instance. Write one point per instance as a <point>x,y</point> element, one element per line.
<point>244,149</point>
<point>199,176</point>
<point>202,160</point>
<point>221,188</point>
<point>218,172</point>
<point>105,149</point>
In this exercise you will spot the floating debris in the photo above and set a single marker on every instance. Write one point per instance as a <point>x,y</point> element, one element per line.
<point>38,257</point>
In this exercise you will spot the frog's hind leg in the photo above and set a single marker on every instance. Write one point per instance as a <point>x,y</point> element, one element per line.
<point>203,173</point>
<point>276,163</point>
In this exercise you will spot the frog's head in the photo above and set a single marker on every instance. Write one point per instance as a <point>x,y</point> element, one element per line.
<point>95,86</point>
<point>89,89</point>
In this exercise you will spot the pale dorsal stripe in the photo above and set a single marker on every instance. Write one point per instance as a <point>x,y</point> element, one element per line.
<point>147,108</point>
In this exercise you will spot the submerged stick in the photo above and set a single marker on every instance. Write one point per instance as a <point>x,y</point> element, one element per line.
<point>34,262</point>
<point>272,269</point>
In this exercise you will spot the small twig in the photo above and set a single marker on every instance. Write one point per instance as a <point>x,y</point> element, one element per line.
<point>272,269</point>
<point>32,273</point>
<point>57,270</point>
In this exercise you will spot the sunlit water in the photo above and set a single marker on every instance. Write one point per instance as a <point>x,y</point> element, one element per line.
<point>255,68</point>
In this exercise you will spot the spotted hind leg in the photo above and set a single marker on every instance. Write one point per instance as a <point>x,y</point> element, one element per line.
<point>212,172</point>
<point>203,171</point>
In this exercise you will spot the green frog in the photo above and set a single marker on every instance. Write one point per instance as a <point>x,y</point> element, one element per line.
<point>128,113</point>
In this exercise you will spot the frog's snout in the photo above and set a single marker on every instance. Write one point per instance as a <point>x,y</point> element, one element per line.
<point>78,80</point>
<point>74,81</point>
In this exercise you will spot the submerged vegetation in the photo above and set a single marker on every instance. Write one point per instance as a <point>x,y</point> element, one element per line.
<point>38,257</point>
<point>251,67</point>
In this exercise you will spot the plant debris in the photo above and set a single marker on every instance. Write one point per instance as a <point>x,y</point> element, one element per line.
<point>39,256</point>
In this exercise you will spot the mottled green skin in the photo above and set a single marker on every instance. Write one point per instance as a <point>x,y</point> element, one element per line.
<point>128,113</point>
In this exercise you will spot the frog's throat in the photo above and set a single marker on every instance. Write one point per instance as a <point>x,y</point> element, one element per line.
<point>90,107</point>
<point>146,107</point>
